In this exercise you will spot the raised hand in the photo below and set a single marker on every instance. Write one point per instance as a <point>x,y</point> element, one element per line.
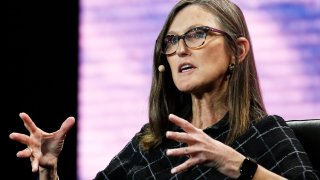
<point>43,148</point>
<point>202,149</point>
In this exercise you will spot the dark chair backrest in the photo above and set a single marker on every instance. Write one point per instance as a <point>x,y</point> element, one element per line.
<point>308,132</point>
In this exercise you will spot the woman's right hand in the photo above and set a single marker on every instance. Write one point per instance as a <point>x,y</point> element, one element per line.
<point>43,148</point>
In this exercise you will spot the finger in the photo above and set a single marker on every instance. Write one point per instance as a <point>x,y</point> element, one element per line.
<point>34,164</point>
<point>67,125</point>
<point>180,137</point>
<point>184,151</point>
<point>28,123</point>
<point>184,124</point>
<point>21,138</point>
<point>26,153</point>
<point>184,166</point>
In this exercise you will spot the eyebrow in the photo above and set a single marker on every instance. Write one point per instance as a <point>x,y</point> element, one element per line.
<point>188,29</point>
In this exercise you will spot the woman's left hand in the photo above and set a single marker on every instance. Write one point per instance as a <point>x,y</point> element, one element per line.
<point>202,149</point>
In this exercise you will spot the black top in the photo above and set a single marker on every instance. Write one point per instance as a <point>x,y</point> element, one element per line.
<point>270,141</point>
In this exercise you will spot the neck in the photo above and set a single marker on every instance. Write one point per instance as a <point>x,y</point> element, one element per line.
<point>208,108</point>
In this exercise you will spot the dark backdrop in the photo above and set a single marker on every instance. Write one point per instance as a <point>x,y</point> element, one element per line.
<point>40,78</point>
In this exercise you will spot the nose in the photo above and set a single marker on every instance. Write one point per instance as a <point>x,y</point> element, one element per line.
<point>182,48</point>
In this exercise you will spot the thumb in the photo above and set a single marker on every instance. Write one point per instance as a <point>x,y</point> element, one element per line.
<point>67,124</point>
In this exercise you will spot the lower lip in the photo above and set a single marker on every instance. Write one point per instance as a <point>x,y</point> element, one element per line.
<point>188,70</point>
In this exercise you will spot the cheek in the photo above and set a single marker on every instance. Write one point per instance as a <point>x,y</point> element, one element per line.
<point>216,63</point>
<point>173,67</point>
<point>217,54</point>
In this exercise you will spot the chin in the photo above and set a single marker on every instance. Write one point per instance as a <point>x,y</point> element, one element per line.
<point>185,89</point>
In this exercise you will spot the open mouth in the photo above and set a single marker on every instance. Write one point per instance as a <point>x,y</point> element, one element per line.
<point>185,68</point>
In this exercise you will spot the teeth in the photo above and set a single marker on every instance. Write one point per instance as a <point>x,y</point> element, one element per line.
<point>185,67</point>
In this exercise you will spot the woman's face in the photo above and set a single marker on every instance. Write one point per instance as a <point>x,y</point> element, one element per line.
<point>203,69</point>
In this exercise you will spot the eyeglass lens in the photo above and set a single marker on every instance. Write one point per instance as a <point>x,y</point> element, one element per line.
<point>193,39</point>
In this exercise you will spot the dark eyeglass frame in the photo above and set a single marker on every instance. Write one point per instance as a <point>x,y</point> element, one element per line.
<point>205,29</point>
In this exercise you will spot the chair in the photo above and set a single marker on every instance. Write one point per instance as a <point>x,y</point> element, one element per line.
<point>308,132</point>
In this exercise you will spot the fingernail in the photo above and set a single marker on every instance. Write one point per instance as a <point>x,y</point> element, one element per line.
<point>168,133</point>
<point>168,152</point>
<point>173,171</point>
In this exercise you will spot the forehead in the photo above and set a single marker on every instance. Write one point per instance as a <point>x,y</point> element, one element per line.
<point>192,15</point>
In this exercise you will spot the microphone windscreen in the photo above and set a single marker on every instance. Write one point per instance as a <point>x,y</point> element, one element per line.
<point>161,68</point>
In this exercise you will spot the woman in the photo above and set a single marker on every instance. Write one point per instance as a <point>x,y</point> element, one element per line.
<point>207,119</point>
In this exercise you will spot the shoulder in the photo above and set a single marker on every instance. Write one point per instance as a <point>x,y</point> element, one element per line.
<point>272,119</point>
<point>133,144</point>
<point>131,149</point>
<point>272,130</point>
<point>270,122</point>
<point>269,129</point>
<point>120,164</point>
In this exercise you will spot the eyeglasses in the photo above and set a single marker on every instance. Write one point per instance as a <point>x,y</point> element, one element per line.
<point>194,38</point>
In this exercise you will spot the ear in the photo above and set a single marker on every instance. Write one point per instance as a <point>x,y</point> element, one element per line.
<point>243,48</point>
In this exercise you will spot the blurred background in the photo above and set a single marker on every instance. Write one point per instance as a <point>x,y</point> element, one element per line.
<point>92,59</point>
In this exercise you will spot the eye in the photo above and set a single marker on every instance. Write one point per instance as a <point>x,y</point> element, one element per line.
<point>171,39</point>
<point>196,34</point>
